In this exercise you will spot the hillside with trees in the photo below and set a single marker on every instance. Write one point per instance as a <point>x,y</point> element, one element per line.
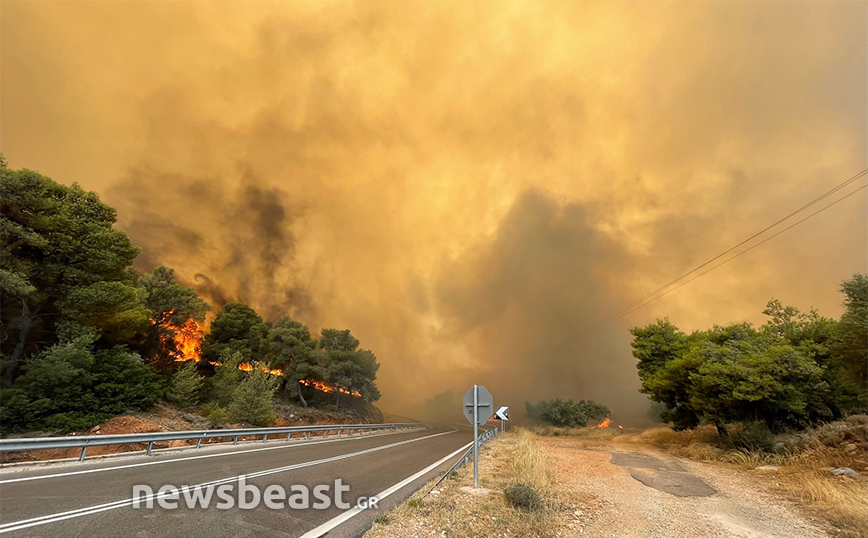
<point>85,336</point>
<point>797,370</point>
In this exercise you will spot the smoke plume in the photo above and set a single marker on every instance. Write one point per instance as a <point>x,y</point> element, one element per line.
<point>469,187</point>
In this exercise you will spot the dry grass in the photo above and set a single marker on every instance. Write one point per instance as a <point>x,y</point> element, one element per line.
<point>595,434</point>
<point>842,501</point>
<point>453,512</point>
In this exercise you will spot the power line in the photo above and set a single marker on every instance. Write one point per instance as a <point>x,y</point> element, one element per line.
<point>628,307</point>
<point>638,306</point>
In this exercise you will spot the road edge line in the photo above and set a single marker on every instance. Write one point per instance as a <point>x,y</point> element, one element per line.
<point>324,528</point>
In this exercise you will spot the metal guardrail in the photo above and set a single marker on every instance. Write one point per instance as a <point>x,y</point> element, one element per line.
<point>483,438</point>
<point>83,442</point>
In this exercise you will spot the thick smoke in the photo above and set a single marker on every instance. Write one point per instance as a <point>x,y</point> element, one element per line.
<point>468,187</point>
<point>526,305</point>
<point>235,243</point>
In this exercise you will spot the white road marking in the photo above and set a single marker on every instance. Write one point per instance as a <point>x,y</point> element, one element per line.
<point>51,518</point>
<point>190,458</point>
<point>337,520</point>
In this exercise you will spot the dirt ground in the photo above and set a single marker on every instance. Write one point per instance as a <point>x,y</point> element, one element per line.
<point>648,494</point>
<point>605,489</point>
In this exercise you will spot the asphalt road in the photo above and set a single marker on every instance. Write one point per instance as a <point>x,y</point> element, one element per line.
<point>94,499</point>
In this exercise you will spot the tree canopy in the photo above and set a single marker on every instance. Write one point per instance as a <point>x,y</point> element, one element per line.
<point>85,336</point>
<point>797,369</point>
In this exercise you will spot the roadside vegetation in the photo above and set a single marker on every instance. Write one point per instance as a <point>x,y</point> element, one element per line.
<point>788,400</point>
<point>566,413</point>
<point>86,337</point>
<point>795,371</point>
<point>520,498</point>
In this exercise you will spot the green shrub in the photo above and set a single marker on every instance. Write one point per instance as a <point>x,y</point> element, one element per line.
<point>71,386</point>
<point>185,388</point>
<point>71,422</point>
<point>522,496</point>
<point>252,399</point>
<point>752,436</point>
<point>566,412</point>
<point>215,413</point>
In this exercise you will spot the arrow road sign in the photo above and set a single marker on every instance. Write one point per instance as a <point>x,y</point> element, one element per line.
<point>502,413</point>
<point>485,405</point>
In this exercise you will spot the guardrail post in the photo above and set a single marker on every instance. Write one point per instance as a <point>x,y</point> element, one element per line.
<point>265,438</point>
<point>198,442</point>
<point>307,434</point>
<point>288,436</point>
<point>339,432</point>
<point>83,452</point>
<point>150,446</point>
<point>324,433</point>
<point>235,440</point>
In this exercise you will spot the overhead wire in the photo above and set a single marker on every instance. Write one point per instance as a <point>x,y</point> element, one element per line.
<point>628,307</point>
<point>639,304</point>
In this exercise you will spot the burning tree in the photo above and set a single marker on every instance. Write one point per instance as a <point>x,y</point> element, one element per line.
<point>349,368</point>
<point>177,314</point>
<point>238,328</point>
<point>291,350</point>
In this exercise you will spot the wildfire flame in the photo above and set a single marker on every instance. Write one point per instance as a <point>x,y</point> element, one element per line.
<point>247,367</point>
<point>328,388</point>
<point>187,338</point>
<point>605,423</point>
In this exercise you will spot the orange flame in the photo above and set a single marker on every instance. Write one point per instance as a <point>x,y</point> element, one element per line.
<point>620,427</point>
<point>247,367</point>
<point>328,388</point>
<point>187,338</point>
<point>604,424</point>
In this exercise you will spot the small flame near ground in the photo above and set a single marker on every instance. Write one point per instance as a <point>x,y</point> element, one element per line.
<point>605,423</point>
<point>328,388</point>
<point>247,367</point>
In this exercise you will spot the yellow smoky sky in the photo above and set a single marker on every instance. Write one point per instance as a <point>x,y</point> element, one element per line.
<point>468,186</point>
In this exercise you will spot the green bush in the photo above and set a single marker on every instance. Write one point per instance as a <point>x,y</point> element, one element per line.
<point>71,386</point>
<point>753,436</point>
<point>522,496</point>
<point>215,413</point>
<point>185,388</point>
<point>566,412</point>
<point>227,377</point>
<point>71,422</point>
<point>252,399</point>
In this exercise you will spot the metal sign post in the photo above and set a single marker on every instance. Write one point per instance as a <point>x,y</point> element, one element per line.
<point>478,408</point>
<point>475,436</point>
<point>502,413</point>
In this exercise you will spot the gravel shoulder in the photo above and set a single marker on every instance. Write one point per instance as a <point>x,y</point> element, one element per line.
<point>612,501</point>
<point>604,489</point>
